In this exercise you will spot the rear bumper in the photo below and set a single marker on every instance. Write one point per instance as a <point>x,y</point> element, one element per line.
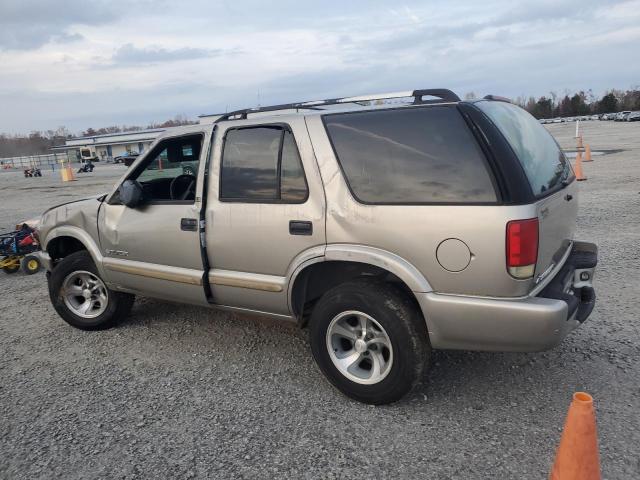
<point>521,325</point>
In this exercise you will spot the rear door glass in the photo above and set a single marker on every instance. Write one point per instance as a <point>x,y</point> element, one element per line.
<point>541,158</point>
<point>410,156</point>
<point>262,164</point>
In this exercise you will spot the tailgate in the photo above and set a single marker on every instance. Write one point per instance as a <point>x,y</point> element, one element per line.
<point>557,224</point>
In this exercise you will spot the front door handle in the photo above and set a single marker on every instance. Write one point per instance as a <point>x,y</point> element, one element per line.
<point>300,227</point>
<point>189,224</point>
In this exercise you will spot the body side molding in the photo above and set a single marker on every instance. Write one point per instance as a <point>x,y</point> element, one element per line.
<point>252,281</point>
<point>152,270</point>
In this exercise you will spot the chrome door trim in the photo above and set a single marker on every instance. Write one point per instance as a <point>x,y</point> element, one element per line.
<point>153,270</point>
<point>252,281</point>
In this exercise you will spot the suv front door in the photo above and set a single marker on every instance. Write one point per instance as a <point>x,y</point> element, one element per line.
<point>154,249</point>
<point>265,213</point>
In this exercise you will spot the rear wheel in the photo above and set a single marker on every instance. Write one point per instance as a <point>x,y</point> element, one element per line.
<point>81,297</point>
<point>370,341</point>
<point>10,265</point>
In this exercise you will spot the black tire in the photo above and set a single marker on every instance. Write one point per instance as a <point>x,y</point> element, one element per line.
<point>31,264</point>
<point>118,304</point>
<point>403,323</point>
<point>10,270</point>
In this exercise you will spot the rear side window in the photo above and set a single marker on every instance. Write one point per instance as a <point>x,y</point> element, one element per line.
<point>410,156</point>
<point>262,164</point>
<point>540,156</point>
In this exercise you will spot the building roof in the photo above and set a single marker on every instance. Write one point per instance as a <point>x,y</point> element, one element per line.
<point>112,138</point>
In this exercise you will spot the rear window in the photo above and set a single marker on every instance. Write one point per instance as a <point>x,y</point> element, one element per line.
<point>540,156</point>
<point>410,156</point>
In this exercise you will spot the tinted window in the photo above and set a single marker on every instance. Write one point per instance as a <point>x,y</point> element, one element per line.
<point>542,159</point>
<point>261,164</point>
<point>410,155</point>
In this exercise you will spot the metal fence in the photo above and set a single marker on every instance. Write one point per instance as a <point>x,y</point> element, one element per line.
<point>30,161</point>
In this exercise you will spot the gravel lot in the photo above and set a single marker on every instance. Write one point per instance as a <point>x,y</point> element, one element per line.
<point>185,392</point>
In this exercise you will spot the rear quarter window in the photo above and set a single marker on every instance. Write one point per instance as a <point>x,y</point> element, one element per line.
<point>410,156</point>
<point>542,160</point>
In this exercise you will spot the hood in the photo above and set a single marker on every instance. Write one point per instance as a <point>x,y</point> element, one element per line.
<point>100,198</point>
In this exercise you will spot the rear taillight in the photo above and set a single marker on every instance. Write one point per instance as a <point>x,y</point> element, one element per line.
<point>522,247</point>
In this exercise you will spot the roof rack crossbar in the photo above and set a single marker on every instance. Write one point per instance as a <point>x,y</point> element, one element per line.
<point>442,93</point>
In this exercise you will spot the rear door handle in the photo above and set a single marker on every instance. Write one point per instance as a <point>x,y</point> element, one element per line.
<point>300,227</point>
<point>189,224</point>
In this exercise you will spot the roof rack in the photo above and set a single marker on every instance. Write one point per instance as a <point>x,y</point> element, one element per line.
<point>497,98</point>
<point>442,93</point>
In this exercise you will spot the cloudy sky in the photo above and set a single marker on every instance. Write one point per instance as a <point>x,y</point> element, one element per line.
<point>93,63</point>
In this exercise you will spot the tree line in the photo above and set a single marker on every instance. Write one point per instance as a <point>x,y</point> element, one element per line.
<point>579,103</point>
<point>41,142</point>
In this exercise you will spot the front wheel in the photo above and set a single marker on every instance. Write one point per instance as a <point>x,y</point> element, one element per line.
<point>81,297</point>
<point>370,341</point>
<point>31,264</point>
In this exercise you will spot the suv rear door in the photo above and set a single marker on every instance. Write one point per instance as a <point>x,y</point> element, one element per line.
<point>265,209</point>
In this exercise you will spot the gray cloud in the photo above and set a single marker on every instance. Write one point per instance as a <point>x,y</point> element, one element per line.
<point>440,36</point>
<point>130,54</point>
<point>292,53</point>
<point>29,24</point>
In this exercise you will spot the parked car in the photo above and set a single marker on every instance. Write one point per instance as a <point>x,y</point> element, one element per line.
<point>633,117</point>
<point>127,159</point>
<point>622,116</point>
<point>388,231</point>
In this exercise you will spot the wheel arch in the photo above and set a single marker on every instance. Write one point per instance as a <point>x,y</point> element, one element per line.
<point>66,239</point>
<point>341,263</point>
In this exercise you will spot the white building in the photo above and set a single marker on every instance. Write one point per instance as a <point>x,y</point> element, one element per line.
<point>106,147</point>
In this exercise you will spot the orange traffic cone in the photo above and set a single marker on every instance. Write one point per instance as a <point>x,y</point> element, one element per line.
<point>67,174</point>
<point>587,153</point>
<point>577,167</point>
<point>579,145</point>
<point>577,456</point>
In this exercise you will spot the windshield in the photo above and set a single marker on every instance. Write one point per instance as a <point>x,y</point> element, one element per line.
<point>544,163</point>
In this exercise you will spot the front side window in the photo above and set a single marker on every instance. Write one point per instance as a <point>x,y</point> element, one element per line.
<point>261,164</point>
<point>169,172</point>
<point>410,156</point>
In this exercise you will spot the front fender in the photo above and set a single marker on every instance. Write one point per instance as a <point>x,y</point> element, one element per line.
<point>82,236</point>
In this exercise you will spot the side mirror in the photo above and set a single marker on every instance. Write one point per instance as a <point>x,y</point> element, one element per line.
<point>131,193</point>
